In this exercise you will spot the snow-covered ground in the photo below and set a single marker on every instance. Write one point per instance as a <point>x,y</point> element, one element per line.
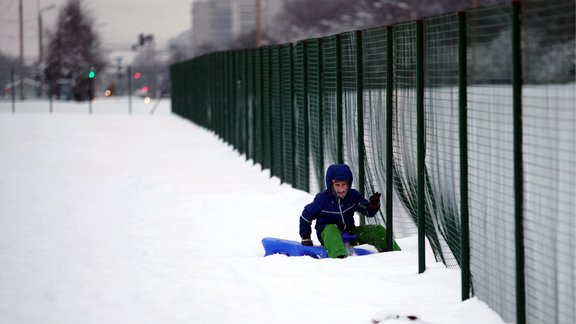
<point>116,218</point>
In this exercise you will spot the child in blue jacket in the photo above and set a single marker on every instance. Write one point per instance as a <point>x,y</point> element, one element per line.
<point>333,210</point>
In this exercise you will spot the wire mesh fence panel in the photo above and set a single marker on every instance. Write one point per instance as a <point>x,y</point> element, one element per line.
<point>249,99</point>
<point>266,108</point>
<point>330,100</point>
<point>209,95</point>
<point>295,109</point>
<point>375,128</point>
<point>247,111</point>
<point>276,112</point>
<point>301,152</point>
<point>315,114</point>
<point>214,104</point>
<point>287,112</point>
<point>374,101</point>
<point>349,64</point>
<point>442,137</point>
<point>240,97</point>
<point>405,128</point>
<point>404,124</point>
<point>491,165</point>
<point>549,155</point>
<point>226,67</point>
<point>257,106</point>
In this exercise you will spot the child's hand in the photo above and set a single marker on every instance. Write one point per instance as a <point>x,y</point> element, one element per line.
<point>374,201</point>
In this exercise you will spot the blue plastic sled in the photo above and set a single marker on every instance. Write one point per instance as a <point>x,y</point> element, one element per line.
<point>293,248</point>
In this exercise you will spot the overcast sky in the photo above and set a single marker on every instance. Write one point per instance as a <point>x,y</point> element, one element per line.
<point>117,21</point>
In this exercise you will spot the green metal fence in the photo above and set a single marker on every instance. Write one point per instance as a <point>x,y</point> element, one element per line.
<point>466,123</point>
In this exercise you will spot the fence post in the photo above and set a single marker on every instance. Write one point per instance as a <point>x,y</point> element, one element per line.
<point>339,94</point>
<point>129,75</point>
<point>518,177</point>
<point>270,129</point>
<point>13,90</point>
<point>247,120</point>
<point>235,118</point>
<point>306,119</point>
<point>260,93</point>
<point>463,135</point>
<point>389,134</point>
<point>252,94</point>
<point>360,110</point>
<point>320,107</point>
<point>292,114</point>
<point>420,145</point>
<point>282,143</point>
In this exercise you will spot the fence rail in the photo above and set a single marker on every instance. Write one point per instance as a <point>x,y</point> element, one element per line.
<point>465,122</point>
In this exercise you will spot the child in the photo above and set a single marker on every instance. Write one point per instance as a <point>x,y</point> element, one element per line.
<point>334,208</point>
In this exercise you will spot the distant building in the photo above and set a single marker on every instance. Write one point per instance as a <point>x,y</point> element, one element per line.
<point>31,88</point>
<point>244,17</point>
<point>217,24</point>
<point>211,25</point>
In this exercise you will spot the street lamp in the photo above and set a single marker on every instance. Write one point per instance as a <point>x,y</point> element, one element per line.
<point>41,46</point>
<point>40,28</point>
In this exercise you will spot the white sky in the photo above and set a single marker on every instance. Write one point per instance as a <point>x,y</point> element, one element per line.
<point>119,22</point>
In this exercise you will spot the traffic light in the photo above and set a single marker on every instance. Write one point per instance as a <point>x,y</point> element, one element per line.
<point>91,74</point>
<point>137,75</point>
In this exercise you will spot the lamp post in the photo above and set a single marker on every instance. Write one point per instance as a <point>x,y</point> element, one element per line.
<point>41,44</point>
<point>40,32</point>
<point>21,29</point>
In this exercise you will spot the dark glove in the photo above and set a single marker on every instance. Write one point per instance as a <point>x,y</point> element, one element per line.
<point>307,241</point>
<point>374,201</point>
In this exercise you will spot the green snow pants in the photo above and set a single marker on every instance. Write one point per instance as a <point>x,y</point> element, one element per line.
<point>367,234</point>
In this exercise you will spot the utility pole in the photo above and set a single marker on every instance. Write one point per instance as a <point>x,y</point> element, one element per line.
<point>21,16</point>
<point>41,31</point>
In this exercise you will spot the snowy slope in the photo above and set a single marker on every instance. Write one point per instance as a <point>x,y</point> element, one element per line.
<point>117,218</point>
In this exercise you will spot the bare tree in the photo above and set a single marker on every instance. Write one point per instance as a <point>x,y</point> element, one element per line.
<point>73,51</point>
<point>303,19</point>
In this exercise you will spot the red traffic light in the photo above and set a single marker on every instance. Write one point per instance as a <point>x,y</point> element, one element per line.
<point>137,75</point>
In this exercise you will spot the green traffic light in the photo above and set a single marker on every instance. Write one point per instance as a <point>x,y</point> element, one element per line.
<point>91,74</point>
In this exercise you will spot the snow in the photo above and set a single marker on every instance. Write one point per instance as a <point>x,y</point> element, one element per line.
<point>147,218</point>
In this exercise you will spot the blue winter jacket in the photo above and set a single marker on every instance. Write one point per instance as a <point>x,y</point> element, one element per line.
<point>328,209</point>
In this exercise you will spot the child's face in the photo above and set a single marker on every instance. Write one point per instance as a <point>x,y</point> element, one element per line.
<point>340,188</point>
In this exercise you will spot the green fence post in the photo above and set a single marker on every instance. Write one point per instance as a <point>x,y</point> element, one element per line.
<point>389,134</point>
<point>280,145</point>
<point>293,116</point>
<point>234,116</point>
<point>306,120</point>
<point>261,135</point>
<point>248,125</point>
<point>129,76</point>
<point>270,130</point>
<point>253,80</point>
<point>230,98</point>
<point>360,111</point>
<point>321,110</point>
<point>219,95</point>
<point>339,94</point>
<point>463,134</point>
<point>420,145</point>
<point>13,91</point>
<point>518,176</point>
